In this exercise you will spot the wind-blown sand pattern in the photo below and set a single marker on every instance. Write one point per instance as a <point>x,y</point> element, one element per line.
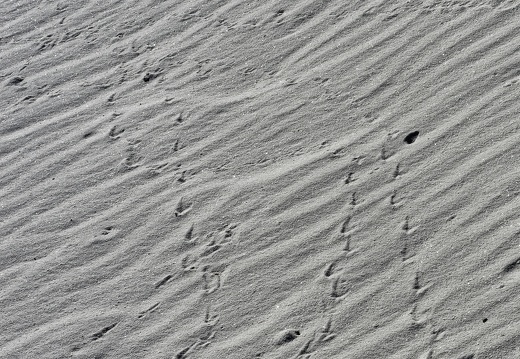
<point>260,179</point>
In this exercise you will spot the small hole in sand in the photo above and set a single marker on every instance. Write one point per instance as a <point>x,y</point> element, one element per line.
<point>411,137</point>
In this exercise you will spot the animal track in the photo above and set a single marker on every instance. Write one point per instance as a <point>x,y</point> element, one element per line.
<point>338,288</point>
<point>212,277</point>
<point>149,76</point>
<point>287,336</point>
<point>349,178</point>
<point>397,171</point>
<point>404,252</point>
<point>188,263</point>
<point>306,349</point>
<point>394,202</point>
<point>88,134</point>
<point>384,155</point>
<point>190,14</point>
<point>175,146</point>
<point>107,230</point>
<point>419,318</point>
<point>107,233</point>
<point>347,243</point>
<point>47,42</point>
<point>157,169</point>
<point>179,118</point>
<point>132,158</point>
<point>211,281</point>
<point>338,153</point>
<point>210,319</point>
<point>345,225</point>
<point>419,289</point>
<point>182,177</point>
<point>188,236</point>
<point>354,200</point>
<point>330,269</point>
<point>406,226</point>
<point>416,284</point>
<point>204,339</point>
<point>212,248</point>
<point>227,233</point>
<point>392,198</point>
<point>326,334</point>
<point>324,144</point>
<point>182,208</point>
<point>28,99</point>
<point>224,24</point>
<point>346,233</point>
<point>359,160</point>
<point>15,81</point>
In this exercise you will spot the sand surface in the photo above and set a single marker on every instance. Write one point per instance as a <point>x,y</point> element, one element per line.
<point>260,179</point>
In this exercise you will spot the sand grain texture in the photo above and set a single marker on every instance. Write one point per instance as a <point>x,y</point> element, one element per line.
<point>260,179</point>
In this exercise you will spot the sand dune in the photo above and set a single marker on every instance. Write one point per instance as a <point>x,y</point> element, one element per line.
<point>260,179</point>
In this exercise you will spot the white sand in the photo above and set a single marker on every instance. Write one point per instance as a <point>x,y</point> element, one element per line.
<point>241,179</point>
